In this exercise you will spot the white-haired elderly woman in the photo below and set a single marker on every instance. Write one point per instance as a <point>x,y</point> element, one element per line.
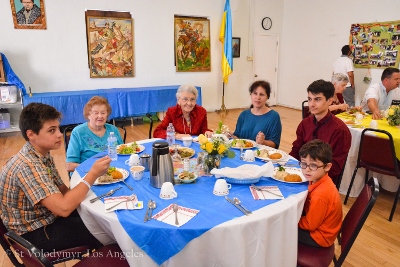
<point>338,105</point>
<point>187,117</point>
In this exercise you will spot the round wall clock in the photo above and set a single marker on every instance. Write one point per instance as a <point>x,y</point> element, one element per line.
<point>266,23</point>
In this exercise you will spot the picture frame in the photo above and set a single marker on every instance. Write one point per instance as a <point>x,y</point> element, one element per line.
<point>110,46</point>
<point>2,73</point>
<point>37,17</point>
<point>235,46</point>
<point>192,44</point>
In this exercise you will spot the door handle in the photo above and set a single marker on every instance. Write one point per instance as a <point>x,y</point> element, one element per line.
<point>255,75</point>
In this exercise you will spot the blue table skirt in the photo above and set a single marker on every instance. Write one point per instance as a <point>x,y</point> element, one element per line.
<point>125,102</point>
<point>161,241</point>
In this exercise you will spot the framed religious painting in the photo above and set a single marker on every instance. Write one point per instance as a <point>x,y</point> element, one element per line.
<point>110,47</point>
<point>28,14</point>
<point>192,44</point>
<point>235,47</point>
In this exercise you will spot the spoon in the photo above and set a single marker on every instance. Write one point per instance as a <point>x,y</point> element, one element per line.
<point>238,202</point>
<point>146,218</point>
<point>175,209</point>
<point>153,205</point>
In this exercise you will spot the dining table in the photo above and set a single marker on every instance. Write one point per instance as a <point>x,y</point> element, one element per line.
<point>389,183</point>
<point>217,234</point>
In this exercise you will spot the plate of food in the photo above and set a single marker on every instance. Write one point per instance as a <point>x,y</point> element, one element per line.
<point>354,111</point>
<point>243,143</point>
<point>271,154</point>
<point>113,175</point>
<point>129,149</point>
<point>184,152</point>
<point>187,177</point>
<point>288,175</point>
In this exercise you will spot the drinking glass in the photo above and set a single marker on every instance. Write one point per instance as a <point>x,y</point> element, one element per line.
<point>176,157</point>
<point>201,167</point>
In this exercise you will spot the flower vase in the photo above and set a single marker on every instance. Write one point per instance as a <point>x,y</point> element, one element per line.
<point>212,161</point>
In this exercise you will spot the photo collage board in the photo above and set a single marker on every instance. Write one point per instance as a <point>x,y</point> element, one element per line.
<point>375,45</point>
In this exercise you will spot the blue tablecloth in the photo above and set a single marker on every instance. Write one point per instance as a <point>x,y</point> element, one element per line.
<point>161,241</point>
<point>125,102</point>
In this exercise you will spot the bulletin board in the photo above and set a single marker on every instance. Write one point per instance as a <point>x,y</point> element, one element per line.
<point>375,45</point>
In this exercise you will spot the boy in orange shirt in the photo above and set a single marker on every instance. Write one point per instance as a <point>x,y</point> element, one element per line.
<point>322,213</point>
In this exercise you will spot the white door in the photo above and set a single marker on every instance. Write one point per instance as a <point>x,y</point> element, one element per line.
<point>266,62</point>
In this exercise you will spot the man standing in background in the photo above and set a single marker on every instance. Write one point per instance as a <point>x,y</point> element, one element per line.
<point>345,65</point>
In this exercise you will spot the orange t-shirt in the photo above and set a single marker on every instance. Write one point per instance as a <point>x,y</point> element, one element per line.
<point>322,212</point>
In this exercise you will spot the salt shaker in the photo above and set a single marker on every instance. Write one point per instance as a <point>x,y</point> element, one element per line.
<point>186,165</point>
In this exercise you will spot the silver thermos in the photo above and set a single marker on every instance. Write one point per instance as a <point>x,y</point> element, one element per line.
<point>161,167</point>
<point>145,161</point>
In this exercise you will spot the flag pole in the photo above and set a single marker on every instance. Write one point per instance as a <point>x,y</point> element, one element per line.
<point>223,109</point>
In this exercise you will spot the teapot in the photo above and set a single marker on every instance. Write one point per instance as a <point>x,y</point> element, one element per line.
<point>161,167</point>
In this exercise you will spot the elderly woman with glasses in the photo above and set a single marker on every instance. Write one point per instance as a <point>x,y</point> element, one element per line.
<point>338,105</point>
<point>90,137</point>
<point>187,117</point>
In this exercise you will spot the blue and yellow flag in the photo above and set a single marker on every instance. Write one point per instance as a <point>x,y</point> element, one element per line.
<point>225,36</point>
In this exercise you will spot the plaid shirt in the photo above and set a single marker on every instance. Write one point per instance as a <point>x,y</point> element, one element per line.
<point>25,180</point>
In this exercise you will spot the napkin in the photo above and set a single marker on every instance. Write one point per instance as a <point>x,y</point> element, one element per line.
<point>167,215</point>
<point>133,204</point>
<point>262,195</point>
<point>246,171</point>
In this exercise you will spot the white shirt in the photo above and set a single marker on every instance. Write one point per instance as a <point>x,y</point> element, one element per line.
<point>343,65</point>
<point>378,91</point>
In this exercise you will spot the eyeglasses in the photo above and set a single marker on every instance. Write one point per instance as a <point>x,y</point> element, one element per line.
<point>185,100</point>
<point>312,166</point>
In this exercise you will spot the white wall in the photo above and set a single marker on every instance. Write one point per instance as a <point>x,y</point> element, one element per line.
<point>313,35</point>
<point>56,59</point>
<point>311,32</point>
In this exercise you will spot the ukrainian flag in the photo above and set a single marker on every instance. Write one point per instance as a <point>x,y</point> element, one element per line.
<point>225,36</point>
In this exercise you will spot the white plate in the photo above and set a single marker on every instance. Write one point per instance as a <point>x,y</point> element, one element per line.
<point>271,151</point>
<point>247,140</point>
<point>187,181</point>
<point>141,148</point>
<point>191,150</point>
<point>125,175</point>
<point>291,171</point>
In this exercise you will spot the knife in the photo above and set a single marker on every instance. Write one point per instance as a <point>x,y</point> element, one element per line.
<point>109,193</point>
<point>231,201</point>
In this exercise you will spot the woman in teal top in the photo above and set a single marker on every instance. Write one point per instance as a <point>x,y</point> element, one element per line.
<point>260,123</point>
<point>90,137</point>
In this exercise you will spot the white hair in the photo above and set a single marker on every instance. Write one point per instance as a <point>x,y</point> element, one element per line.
<point>339,77</point>
<point>186,88</point>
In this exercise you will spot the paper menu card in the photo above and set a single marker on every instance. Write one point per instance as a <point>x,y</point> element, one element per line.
<point>264,194</point>
<point>167,215</point>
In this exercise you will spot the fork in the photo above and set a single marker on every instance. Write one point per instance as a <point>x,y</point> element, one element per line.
<point>266,190</point>
<point>105,195</point>
<point>130,198</point>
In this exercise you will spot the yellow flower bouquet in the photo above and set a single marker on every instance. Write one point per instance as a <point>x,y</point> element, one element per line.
<point>393,115</point>
<point>216,148</point>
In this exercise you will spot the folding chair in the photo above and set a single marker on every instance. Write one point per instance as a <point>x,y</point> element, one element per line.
<point>67,134</point>
<point>148,115</point>
<point>305,110</point>
<point>382,160</point>
<point>62,256</point>
<point>110,255</point>
<point>353,222</point>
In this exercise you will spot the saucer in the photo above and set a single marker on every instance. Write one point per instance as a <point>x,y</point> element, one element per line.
<point>220,193</point>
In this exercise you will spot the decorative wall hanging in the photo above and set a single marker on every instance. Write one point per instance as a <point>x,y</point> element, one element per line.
<point>110,44</point>
<point>375,45</point>
<point>192,44</point>
<point>235,47</point>
<point>28,14</point>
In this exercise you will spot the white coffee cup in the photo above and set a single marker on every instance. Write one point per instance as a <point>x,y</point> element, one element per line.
<point>373,124</point>
<point>359,117</point>
<point>133,160</point>
<point>248,155</point>
<point>168,191</point>
<point>221,187</point>
<point>187,141</point>
<point>137,172</point>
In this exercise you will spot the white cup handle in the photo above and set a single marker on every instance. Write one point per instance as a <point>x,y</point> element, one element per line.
<point>175,194</point>
<point>127,162</point>
<point>229,186</point>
